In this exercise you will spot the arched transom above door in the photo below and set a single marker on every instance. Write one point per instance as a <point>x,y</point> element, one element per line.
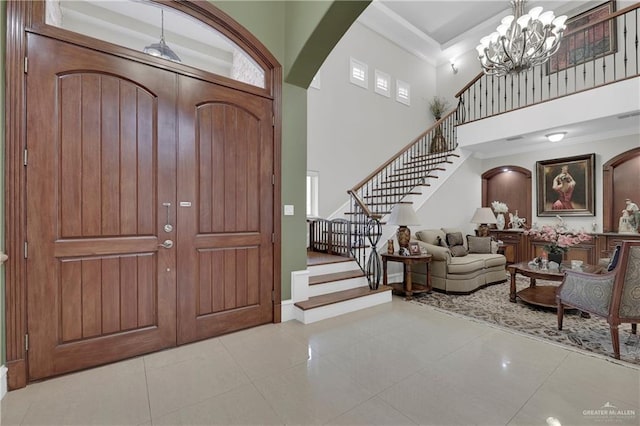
<point>158,30</point>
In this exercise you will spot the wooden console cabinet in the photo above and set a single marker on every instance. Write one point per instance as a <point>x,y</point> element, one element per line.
<point>513,247</point>
<point>519,247</point>
<point>607,242</point>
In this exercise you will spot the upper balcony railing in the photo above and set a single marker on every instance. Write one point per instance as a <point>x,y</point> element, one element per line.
<point>593,55</point>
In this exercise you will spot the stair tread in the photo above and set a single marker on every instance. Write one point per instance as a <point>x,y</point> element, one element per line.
<point>319,258</point>
<point>335,276</point>
<point>339,296</point>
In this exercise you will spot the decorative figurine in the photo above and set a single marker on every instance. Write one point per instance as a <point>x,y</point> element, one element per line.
<point>625,224</point>
<point>516,222</point>
<point>634,214</point>
<point>390,248</point>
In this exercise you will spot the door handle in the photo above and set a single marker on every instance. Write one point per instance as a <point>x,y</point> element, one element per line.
<point>166,244</point>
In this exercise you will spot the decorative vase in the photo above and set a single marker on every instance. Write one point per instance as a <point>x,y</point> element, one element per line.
<point>555,257</point>
<point>438,142</point>
<point>500,222</point>
<point>403,235</point>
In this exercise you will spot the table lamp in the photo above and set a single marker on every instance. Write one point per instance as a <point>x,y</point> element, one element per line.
<point>403,215</point>
<point>483,217</point>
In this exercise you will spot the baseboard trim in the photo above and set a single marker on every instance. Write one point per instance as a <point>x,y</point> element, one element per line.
<point>3,381</point>
<point>299,292</point>
<point>288,312</point>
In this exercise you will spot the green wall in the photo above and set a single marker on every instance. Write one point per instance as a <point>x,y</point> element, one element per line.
<point>300,34</point>
<point>309,45</point>
<point>266,21</point>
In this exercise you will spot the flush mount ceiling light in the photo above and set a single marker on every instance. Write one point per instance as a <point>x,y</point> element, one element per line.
<point>521,41</point>
<point>556,137</point>
<point>161,49</point>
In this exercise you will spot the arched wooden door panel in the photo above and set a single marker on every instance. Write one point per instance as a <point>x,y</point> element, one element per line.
<point>101,161</point>
<point>225,213</point>
<point>107,152</point>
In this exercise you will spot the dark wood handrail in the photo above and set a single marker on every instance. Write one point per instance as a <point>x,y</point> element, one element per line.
<point>471,83</point>
<point>399,153</point>
<point>605,18</point>
<point>361,203</point>
<point>574,31</point>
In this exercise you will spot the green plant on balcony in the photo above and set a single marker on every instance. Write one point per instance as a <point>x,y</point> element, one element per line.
<point>438,106</point>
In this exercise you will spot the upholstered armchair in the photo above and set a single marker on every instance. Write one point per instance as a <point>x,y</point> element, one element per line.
<point>614,295</point>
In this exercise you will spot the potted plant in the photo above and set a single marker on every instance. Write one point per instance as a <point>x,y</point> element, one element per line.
<point>558,239</point>
<point>438,106</point>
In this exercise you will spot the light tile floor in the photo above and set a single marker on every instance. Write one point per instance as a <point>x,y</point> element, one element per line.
<point>395,364</point>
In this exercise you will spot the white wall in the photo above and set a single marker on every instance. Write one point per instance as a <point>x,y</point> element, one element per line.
<point>351,130</point>
<point>455,202</point>
<point>450,83</point>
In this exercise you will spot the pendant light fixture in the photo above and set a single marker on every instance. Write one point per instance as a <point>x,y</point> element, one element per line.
<point>161,49</point>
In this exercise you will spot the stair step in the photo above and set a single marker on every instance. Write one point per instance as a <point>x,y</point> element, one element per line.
<point>411,177</point>
<point>335,276</point>
<point>400,186</point>
<point>401,196</point>
<point>339,296</point>
<point>317,258</point>
<point>390,203</point>
<point>414,170</point>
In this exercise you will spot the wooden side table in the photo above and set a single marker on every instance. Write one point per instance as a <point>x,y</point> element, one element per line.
<point>407,288</point>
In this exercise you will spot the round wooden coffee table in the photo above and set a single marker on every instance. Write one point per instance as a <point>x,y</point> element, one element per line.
<point>540,295</point>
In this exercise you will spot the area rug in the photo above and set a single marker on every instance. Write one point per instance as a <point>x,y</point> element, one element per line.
<point>491,305</point>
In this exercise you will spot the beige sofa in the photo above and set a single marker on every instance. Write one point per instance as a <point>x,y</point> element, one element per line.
<point>461,273</point>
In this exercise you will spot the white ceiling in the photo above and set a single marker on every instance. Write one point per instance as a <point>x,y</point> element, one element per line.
<point>439,30</point>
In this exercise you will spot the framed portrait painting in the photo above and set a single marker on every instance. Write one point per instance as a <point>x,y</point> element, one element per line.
<point>589,42</point>
<point>566,186</point>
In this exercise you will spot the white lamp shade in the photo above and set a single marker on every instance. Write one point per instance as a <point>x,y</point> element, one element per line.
<point>403,215</point>
<point>483,215</point>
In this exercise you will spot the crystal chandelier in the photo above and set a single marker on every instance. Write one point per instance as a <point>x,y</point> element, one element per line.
<point>521,41</point>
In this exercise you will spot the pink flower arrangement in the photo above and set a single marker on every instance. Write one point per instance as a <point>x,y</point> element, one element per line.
<point>559,238</point>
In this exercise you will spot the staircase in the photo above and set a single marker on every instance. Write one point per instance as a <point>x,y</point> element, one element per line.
<point>337,286</point>
<point>404,175</point>
<point>343,262</point>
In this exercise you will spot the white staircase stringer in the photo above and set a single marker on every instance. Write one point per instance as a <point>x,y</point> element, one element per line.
<point>443,176</point>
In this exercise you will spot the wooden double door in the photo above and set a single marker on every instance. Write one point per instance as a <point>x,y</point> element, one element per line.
<point>149,208</point>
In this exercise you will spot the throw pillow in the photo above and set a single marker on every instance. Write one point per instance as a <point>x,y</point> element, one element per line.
<point>479,244</point>
<point>614,259</point>
<point>458,251</point>
<point>455,239</point>
<point>442,243</point>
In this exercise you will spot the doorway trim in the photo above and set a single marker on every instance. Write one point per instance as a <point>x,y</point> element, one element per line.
<point>25,16</point>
